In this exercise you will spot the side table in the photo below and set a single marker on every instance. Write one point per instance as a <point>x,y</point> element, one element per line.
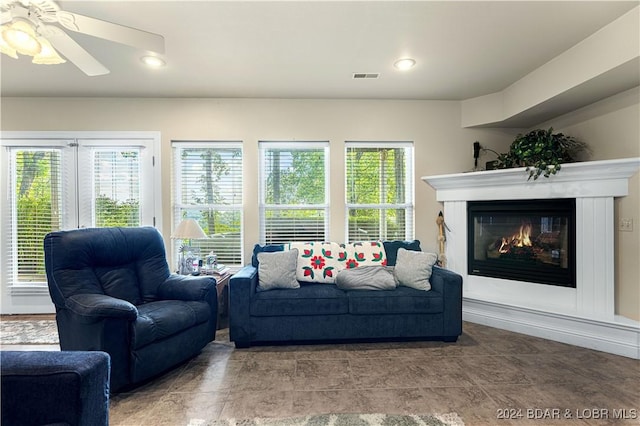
<point>222,285</point>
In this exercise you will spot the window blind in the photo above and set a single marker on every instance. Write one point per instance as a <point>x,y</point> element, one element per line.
<point>36,199</point>
<point>116,186</point>
<point>379,190</point>
<point>294,191</point>
<point>208,188</point>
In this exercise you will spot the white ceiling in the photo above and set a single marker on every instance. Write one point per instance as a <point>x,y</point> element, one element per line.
<point>310,49</point>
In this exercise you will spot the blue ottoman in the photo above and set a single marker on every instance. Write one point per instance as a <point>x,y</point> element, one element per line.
<point>53,387</point>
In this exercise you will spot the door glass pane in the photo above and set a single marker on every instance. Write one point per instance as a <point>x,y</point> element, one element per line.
<point>37,205</point>
<point>116,176</point>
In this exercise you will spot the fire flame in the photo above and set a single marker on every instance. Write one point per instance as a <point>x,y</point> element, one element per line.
<point>521,239</point>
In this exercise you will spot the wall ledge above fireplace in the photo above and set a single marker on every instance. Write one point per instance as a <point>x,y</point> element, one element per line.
<point>574,180</point>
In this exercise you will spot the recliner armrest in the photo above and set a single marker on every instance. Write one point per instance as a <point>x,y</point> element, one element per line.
<point>188,287</point>
<point>101,306</point>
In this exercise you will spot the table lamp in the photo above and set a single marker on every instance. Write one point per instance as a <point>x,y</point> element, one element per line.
<point>188,229</point>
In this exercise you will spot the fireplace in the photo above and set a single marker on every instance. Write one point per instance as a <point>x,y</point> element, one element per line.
<point>523,240</point>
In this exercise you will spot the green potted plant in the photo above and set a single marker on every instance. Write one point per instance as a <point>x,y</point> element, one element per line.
<point>542,152</point>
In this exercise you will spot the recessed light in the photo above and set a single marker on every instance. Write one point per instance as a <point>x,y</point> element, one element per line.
<point>153,61</point>
<point>404,64</point>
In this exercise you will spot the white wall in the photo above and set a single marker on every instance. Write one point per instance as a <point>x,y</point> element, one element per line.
<point>611,127</point>
<point>441,145</point>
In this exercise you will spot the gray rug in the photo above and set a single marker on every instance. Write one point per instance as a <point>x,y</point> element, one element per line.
<point>448,419</point>
<point>28,332</point>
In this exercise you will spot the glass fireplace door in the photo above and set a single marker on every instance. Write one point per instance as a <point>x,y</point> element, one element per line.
<point>530,240</point>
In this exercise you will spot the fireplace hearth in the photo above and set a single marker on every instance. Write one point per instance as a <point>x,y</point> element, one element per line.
<point>523,240</point>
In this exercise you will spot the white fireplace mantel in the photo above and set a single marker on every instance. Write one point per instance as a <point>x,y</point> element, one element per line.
<point>583,315</point>
<point>607,178</point>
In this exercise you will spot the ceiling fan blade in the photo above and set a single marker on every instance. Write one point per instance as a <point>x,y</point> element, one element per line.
<point>109,31</point>
<point>75,53</point>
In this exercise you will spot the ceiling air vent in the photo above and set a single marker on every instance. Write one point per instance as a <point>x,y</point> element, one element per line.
<point>365,75</point>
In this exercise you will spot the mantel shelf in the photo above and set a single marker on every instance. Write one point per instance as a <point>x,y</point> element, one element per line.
<point>574,180</point>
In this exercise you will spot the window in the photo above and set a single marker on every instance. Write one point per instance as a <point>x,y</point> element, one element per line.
<point>208,188</point>
<point>294,191</point>
<point>65,183</point>
<point>379,191</point>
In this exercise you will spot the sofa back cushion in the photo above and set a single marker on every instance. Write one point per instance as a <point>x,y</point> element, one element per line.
<point>320,262</point>
<point>125,263</point>
<point>269,248</point>
<point>391,249</point>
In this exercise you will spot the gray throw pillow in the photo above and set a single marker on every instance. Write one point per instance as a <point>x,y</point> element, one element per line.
<point>277,270</point>
<point>366,278</point>
<point>413,268</point>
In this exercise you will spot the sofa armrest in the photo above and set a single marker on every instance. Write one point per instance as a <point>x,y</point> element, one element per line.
<point>242,287</point>
<point>101,306</point>
<point>449,284</point>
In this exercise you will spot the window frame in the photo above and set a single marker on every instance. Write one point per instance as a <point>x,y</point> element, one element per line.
<point>178,207</point>
<point>409,186</point>
<point>263,206</point>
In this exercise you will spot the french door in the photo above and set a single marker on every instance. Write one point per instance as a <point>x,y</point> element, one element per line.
<point>59,181</point>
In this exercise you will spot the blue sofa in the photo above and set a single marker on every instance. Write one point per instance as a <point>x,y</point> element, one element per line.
<point>324,312</point>
<point>55,388</point>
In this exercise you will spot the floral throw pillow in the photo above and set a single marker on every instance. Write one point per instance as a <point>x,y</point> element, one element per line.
<point>364,253</point>
<point>318,262</point>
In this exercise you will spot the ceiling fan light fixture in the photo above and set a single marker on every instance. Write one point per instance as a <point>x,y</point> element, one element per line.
<point>48,55</point>
<point>6,49</point>
<point>153,61</point>
<point>21,36</point>
<point>404,64</point>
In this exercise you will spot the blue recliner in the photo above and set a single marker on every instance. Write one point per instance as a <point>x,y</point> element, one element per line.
<point>113,292</point>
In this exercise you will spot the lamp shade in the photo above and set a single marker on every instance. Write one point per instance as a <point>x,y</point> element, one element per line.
<point>5,48</point>
<point>48,55</point>
<point>21,36</point>
<point>188,229</point>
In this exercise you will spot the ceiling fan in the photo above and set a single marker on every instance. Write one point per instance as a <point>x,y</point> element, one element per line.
<point>34,28</point>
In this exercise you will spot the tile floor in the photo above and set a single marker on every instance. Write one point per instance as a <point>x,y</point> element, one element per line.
<point>489,377</point>
<point>487,374</point>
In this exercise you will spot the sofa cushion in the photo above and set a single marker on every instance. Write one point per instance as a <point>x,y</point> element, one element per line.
<point>402,300</point>
<point>413,268</point>
<point>391,249</point>
<point>277,270</point>
<point>158,320</point>
<point>309,299</point>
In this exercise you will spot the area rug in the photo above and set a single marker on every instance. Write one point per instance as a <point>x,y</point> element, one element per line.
<point>448,419</point>
<point>28,332</point>
<point>45,332</point>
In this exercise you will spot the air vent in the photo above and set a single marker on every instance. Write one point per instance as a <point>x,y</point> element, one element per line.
<point>364,75</point>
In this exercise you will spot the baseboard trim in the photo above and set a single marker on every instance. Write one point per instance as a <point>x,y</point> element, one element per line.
<point>613,337</point>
